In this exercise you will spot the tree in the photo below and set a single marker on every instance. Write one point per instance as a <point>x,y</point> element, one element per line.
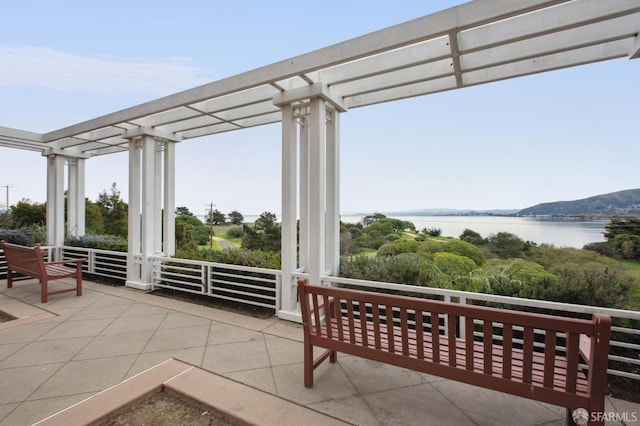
<point>265,234</point>
<point>370,219</point>
<point>235,217</point>
<point>114,211</point>
<point>216,217</point>
<point>94,218</point>
<point>198,229</point>
<point>25,213</point>
<point>507,245</point>
<point>180,211</point>
<point>185,238</point>
<point>472,237</point>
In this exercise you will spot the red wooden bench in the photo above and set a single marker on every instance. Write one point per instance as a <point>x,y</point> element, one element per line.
<point>29,261</point>
<point>530,355</point>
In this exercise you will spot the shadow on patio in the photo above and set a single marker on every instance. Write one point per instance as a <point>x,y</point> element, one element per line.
<point>71,348</point>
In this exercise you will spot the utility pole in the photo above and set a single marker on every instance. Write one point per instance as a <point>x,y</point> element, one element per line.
<point>7,189</point>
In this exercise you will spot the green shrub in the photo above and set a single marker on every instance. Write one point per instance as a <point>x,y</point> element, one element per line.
<point>254,258</point>
<point>101,242</point>
<point>472,237</point>
<point>465,249</point>
<point>402,269</point>
<point>235,232</point>
<point>453,264</point>
<point>26,236</point>
<point>433,232</point>
<point>397,247</point>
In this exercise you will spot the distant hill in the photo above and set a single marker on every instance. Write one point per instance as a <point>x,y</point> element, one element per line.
<point>621,203</point>
<point>454,212</point>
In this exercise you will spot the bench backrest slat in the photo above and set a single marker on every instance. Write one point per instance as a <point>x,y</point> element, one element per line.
<point>452,334</point>
<point>390,329</point>
<point>420,334</point>
<point>404,327</point>
<point>435,336</point>
<point>572,355</point>
<point>507,349</point>
<point>487,328</point>
<point>527,354</point>
<point>549,356</point>
<point>469,339</point>
<point>362,312</point>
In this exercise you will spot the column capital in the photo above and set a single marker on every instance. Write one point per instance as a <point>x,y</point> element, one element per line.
<point>151,131</point>
<point>315,90</point>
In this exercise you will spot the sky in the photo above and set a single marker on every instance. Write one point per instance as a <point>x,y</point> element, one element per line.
<point>562,135</point>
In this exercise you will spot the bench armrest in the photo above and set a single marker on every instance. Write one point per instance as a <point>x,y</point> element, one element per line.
<point>585,347</point>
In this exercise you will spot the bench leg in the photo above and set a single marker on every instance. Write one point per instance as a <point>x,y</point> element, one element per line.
<point>308,365</point>
<point>9,279</point>
<point>44,289</point>
<point>79,284</point>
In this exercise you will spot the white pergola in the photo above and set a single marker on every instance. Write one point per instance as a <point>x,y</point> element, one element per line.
<point>478,42</point>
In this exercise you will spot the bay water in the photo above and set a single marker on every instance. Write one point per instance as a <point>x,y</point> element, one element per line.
<point>559,232</point>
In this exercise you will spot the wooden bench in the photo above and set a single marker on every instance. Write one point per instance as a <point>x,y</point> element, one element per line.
<point>530,355</point>
<point>29,261</point>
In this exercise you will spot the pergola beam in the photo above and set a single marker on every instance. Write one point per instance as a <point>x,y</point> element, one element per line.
<point>420,29</point>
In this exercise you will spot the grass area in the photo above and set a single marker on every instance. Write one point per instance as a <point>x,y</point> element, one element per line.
<point>220,231</point>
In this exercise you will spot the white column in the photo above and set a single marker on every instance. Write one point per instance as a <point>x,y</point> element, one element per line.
<point>134,233</point>
<point>55,201</point>
<point>51,199</point>
<point>81,205</point>
<point>332,248</point>
<point>169,225</point>
<point>72,198</point>
<point>317,189</point>
<point>304,193</point>
<point>148,208</point>
<point>75,198</point>
<point>288,298</point>
<point>157,198</point>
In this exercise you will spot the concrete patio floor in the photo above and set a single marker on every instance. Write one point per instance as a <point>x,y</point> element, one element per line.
<point>68,350</point>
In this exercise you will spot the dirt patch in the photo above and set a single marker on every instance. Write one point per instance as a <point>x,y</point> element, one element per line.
<point>165,409</point>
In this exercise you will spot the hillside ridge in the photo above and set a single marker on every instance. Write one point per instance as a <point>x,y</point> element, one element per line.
<point>620,203</point>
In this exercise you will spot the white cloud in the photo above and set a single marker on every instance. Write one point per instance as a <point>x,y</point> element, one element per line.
<point>34,66</point>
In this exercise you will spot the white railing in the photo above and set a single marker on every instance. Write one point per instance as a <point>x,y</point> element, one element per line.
<point>243,284</point>
<point>103,263</point>
<point>625,341</point>
<point>261,287</point>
